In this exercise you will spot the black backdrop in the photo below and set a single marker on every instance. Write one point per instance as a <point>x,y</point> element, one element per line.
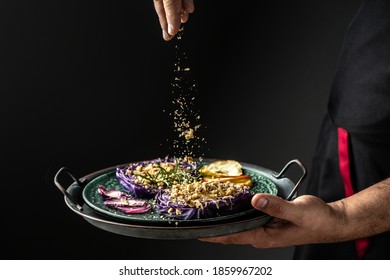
<point>84,84</point>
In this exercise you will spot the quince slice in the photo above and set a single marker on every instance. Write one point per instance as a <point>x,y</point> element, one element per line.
<point>222,168</point>
<point>238,180</point>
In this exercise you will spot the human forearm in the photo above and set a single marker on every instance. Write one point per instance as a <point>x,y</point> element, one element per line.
<point>364,214</point>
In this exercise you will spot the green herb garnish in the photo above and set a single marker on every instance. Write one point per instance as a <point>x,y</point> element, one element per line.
<point>175,176</point>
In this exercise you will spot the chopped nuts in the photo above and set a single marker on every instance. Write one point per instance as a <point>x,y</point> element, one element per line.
<point>162,173</point>
<point>185,115</point>
<point>196,193</point>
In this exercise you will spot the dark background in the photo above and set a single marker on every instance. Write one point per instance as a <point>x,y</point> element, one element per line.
<point>84,84</point>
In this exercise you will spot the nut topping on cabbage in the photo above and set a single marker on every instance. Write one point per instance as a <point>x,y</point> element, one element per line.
<point>203,200</point>
<point>199,194</point>
<point>145,179</point>
<point>222,189</point>
<point>183,191</point>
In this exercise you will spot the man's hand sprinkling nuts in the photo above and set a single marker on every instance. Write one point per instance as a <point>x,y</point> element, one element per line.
<point>171,13</point>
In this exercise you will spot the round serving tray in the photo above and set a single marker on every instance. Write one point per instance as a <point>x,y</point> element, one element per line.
<point>80,198</point>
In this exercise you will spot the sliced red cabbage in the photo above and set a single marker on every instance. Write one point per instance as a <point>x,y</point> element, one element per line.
<point>123,202</point>
<point>209,209</point>
<point>148,190</point>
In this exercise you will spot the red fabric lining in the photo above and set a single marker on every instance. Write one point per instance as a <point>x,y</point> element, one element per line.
<point>344,161</point>
<point>345,171</point>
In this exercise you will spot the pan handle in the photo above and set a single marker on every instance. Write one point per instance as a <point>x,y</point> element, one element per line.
<point>298,184</point>
<point>63,190</point>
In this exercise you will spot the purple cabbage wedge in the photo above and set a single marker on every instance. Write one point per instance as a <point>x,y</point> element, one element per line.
<point>145,179</point>
<point>123,202</point>
<point>200,202</point>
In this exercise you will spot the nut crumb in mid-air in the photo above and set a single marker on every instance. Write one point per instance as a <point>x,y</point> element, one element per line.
<point>186,117</point>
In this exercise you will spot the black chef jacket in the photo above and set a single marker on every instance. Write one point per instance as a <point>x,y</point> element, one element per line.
<point>353,151</point>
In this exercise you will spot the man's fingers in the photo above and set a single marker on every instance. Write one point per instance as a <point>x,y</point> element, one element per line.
<point>237,238</point>
<point>255,236</point>
<point>173,11</point>
<point>159,7</point>
<point>184,16</point>
<point>270,204</point>
<point>188,6</point>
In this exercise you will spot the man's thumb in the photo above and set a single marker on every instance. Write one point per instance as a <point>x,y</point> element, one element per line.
<point>273,205</point>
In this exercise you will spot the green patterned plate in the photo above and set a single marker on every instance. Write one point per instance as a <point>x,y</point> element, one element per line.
<point>261,184</point>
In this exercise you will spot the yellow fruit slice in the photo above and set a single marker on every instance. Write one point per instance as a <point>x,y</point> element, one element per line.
<point>222,168</point>
<point>239,180</point>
